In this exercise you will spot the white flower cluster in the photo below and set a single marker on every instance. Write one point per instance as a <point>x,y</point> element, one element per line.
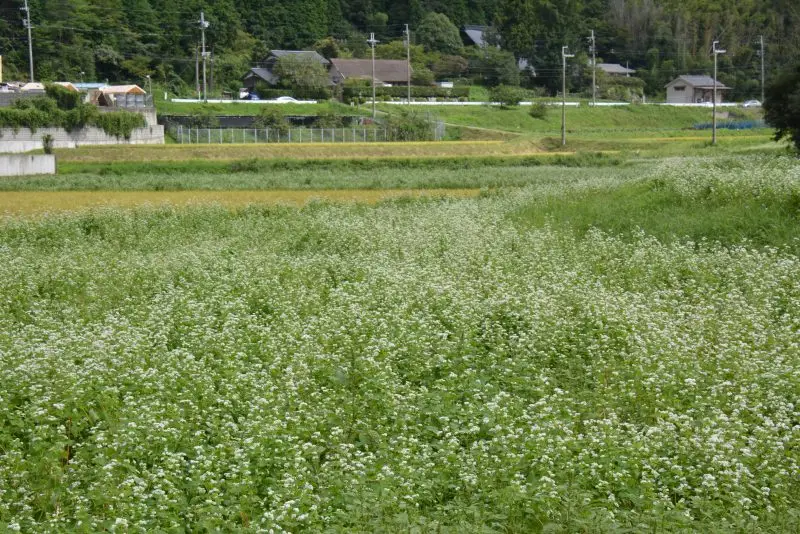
<point>412,366</point>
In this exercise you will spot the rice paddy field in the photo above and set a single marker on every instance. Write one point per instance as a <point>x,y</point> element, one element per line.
<point>599,348</point>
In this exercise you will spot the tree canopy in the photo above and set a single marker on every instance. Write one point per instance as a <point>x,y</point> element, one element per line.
<point>782,106</point>
<point>125,41</point>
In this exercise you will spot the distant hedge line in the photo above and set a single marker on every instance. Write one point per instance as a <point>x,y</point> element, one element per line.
<point>353,92</point>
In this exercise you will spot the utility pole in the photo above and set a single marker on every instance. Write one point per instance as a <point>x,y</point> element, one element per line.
<point>27,23</point>
<point>564,56</point>
<point>372,42</point>
<point>594,70</point>
<point>197,71</point>
<point>211,59</point>
<point>203,26</point>
<point>761,39</point>
<point>716,51</point>
<point>408,62</point>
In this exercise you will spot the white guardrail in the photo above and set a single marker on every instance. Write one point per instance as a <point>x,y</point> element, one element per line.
<point>218,101</point>
<point>428,103</point>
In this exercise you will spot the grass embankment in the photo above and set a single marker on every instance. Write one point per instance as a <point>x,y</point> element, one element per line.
<point>581,119</point>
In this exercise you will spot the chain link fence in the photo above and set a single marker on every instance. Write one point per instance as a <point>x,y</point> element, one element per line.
<point>189,135</point>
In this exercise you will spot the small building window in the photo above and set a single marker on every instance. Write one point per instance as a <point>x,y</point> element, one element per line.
<point>680,87</point>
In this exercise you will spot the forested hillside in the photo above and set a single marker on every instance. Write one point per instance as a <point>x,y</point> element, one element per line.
<point>126,40</point>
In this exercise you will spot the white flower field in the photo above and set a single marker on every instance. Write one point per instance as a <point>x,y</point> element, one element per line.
<point>416,366</point>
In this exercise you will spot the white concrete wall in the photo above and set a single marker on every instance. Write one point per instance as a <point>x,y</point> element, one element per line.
<point>27,164</point>
<point>24,140</point>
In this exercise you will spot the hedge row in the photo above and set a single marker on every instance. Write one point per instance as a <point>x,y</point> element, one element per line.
<point>44,113</point>
<point>350,93</point>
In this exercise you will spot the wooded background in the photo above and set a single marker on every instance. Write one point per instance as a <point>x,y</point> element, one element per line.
<point>127,40</point>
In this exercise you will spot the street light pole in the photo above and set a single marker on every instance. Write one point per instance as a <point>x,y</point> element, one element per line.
<point>716,51</point>
<point>372,42</point>
<point>564,56</point>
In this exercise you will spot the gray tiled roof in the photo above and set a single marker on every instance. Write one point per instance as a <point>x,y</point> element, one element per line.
<point>310,53</point>
<point>475,34</point>
<point>698,81</point>
<point>614,68</point>
<point>264,74</point>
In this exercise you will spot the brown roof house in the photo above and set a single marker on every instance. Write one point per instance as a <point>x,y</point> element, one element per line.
<point>264,73</point>
<point>688,89</point>
<point>387,71</point>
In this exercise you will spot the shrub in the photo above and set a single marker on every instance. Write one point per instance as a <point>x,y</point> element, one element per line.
<point>271,118</point>
<point>421,75</point>
<point>328,119</point>
<point>204,117</point>
<point>507,95</point>
<point>538,111</point>
<point>47,143</point>
<point>63,97</point>
<point>409,125</point>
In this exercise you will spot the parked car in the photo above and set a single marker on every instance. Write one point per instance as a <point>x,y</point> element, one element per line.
<point>752,104</point>
<point>285,99</point>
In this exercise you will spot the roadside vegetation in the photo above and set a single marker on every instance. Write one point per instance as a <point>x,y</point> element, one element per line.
<point>62,108</point>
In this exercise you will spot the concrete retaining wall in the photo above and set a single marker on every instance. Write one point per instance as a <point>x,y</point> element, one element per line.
<point>27,164</point>
<point>24,140</point>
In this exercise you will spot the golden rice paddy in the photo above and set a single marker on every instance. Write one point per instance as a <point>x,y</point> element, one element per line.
<point>39,202</point>
<point>106,154</point>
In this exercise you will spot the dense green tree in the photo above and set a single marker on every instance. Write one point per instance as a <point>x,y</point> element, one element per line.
<point>782,105</point>
<point>436,32</point>
<point>301,72</point>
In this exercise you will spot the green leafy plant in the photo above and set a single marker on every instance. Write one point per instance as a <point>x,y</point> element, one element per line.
<point>507,95</point>
<point>47,143</point>
<point>273,118</point>
<point>409,125</point>
<point>538,110</point>
<point>328,119</point>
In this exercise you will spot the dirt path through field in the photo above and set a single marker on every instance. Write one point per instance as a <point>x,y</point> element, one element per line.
<point>37,202</point>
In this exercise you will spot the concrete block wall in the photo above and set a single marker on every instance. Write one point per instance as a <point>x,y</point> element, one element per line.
<point>24,140</point>
<point>27,164</point>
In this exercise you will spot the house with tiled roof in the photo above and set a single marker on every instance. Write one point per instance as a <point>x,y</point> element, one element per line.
<point>387,71</point>
<point>693,89</point>
<point>264,72</point>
